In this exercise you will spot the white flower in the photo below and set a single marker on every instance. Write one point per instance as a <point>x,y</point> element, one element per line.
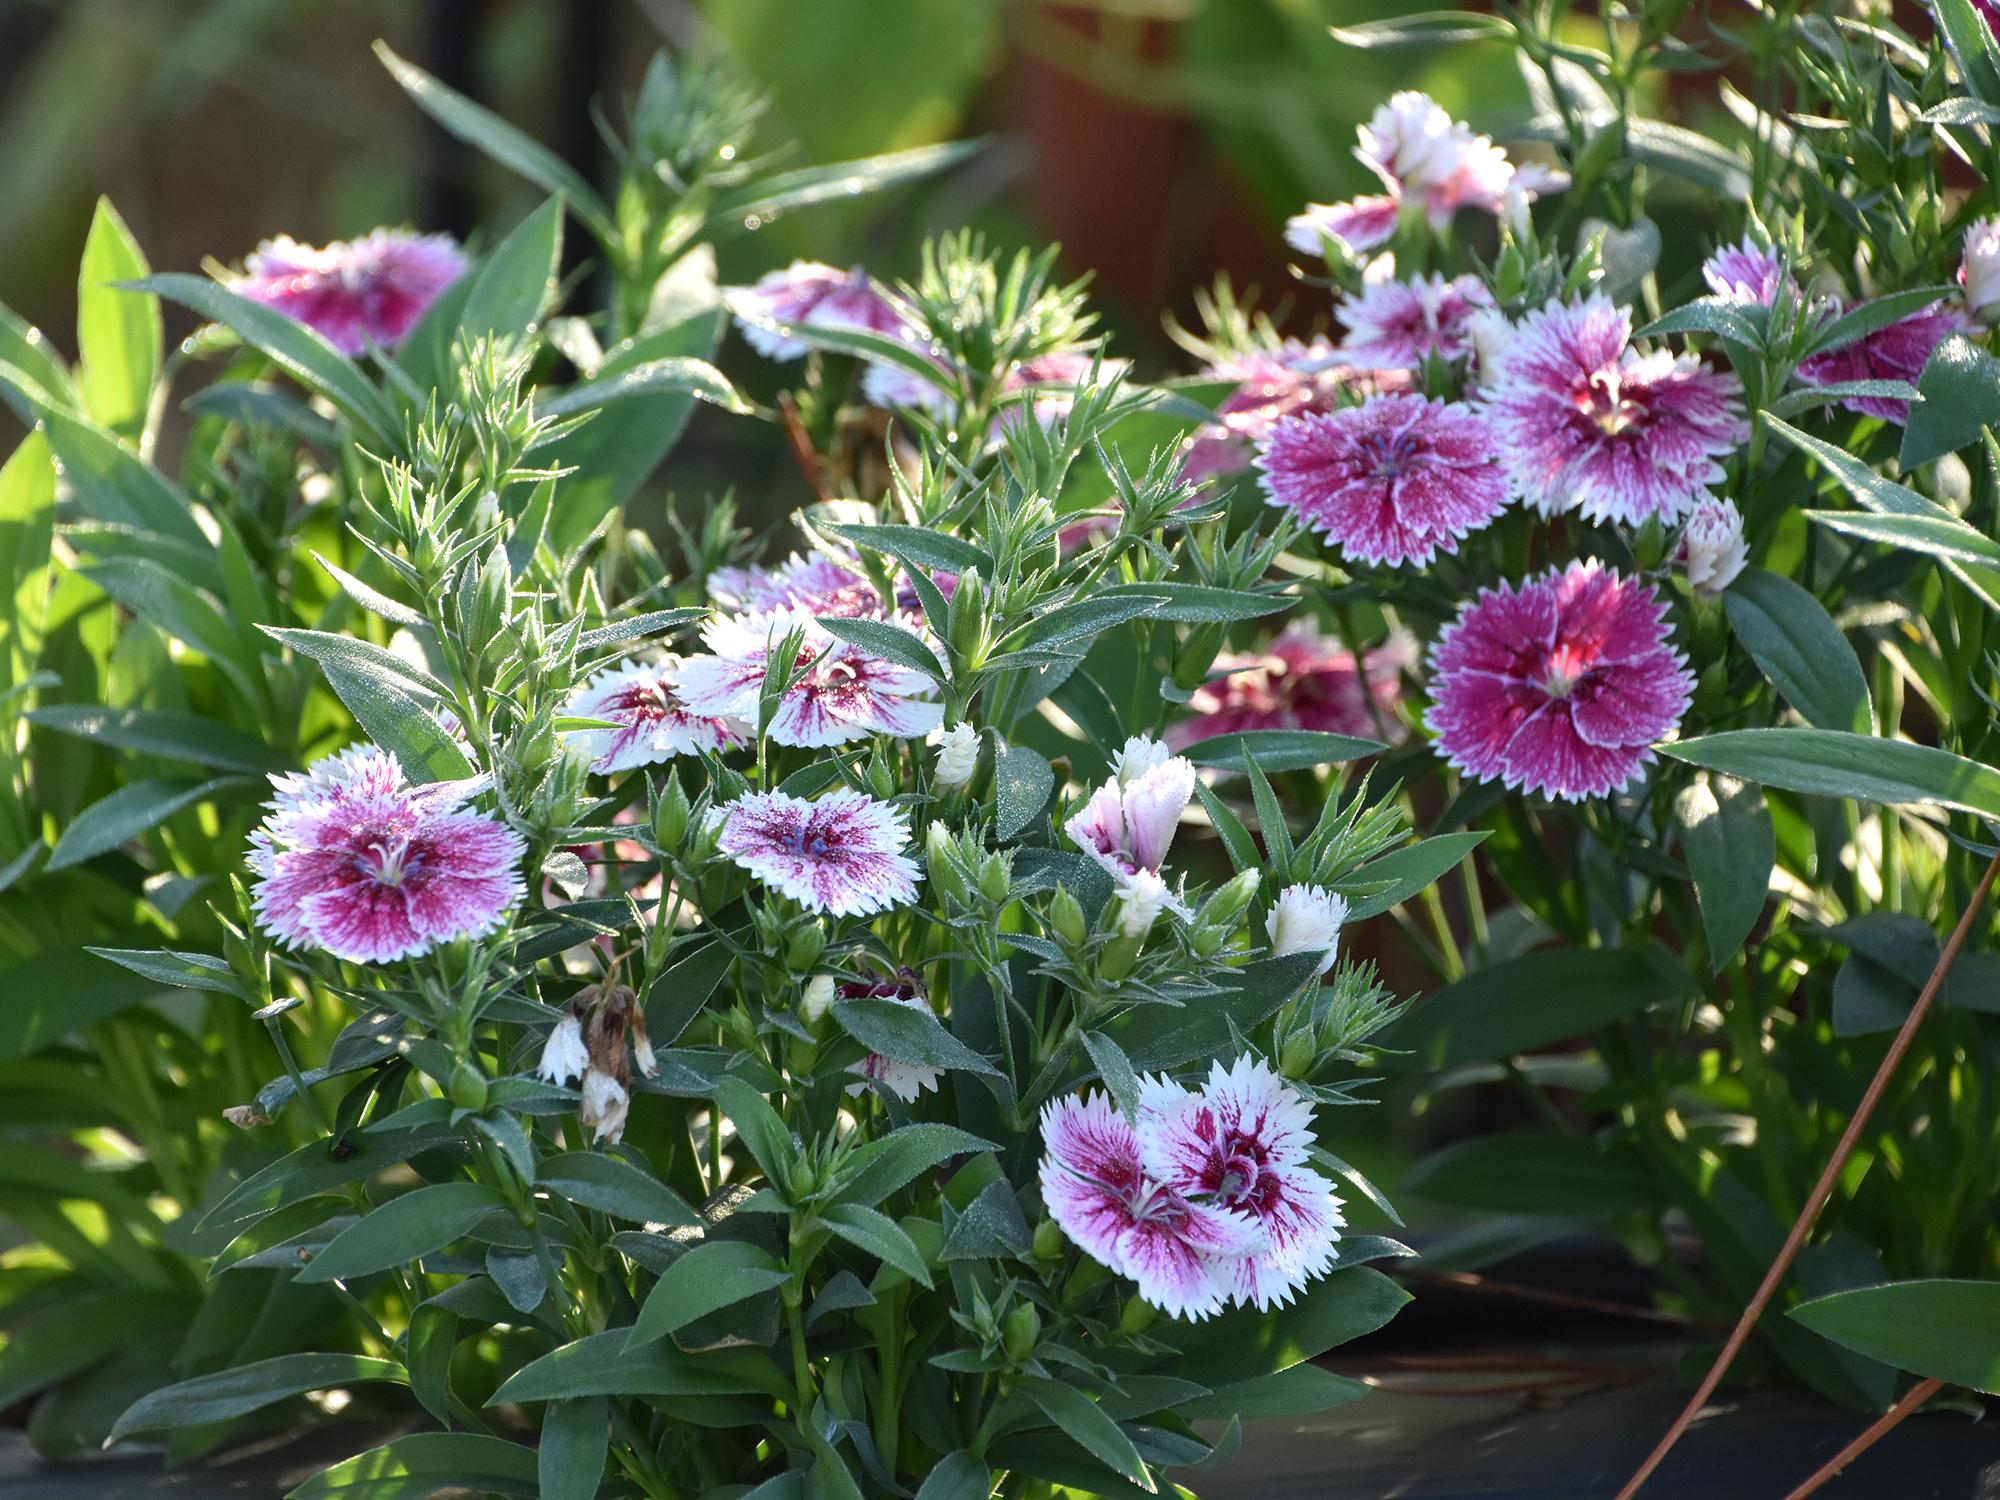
<point>604,1107</point>
<point>1142,895</point>
<point>1307,919</point>
<point>817,998</point>
<point>1490,333</point>
<point>563,1055</point>
<point>958,755</point>
<point>1980,273</point>
<point>1712,547</point>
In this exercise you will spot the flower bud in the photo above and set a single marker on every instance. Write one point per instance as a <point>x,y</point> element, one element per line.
<point>946,878</point>
<point>1230,901</point>
<point>1296,1060</point>
<point>1066,918</point>
<point>804,946</point>
<point>881,780</point>
<point>1196,656</point>
<point>958,756</point>
<point>670,815</point>
<point>967,619</point>
<point>1116,961</point>
<point>995,878</point>
<point>468,1086</point>
<point>816,999</point>
<point>1048,1240</point>
<point>1023,1328</point>
<point>1141,897</point>
<point>1135,1317</point>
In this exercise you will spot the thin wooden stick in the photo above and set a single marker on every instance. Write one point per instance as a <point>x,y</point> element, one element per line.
<point>1802,1226</point>
<point>1919,1393</point>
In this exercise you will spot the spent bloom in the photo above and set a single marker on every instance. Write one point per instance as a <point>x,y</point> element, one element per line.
<point>903,1079</point>
<point>1586,422</point>
<point>1745,272</point>
<point>958,755</point>
<point>1242,1144</point>
<point>842,854</point>
<point>1559,685</point>
<point>1395,480</point>
<point>1979,273</point>
<point>1181,1253</point>
<point>1712,548</point>
<point>354,293</point>
<point>840,693</point>
<point>1898,352</point>
<point>1129,821</point>
<point>1304,679</point>
<point>654,725</point>
<point>1307,919</point>
<point>356,861</point>
<point>1400,324</point>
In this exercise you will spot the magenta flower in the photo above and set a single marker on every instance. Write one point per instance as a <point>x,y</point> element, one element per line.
<point>1400,324</point>
<point>356,861</point>
<point>842,854</point>
<point>655,725</point>
<point>1561,685</point>
<point>1272,385</point>
<point>1301,680</point>
<point>1395,480</point>
<point>1585,422</point>
<point>1182,1254</point>
<point>809,294</point>
<point>814,584</point>
<point>1049,382</point>
<point>841,693</point>
<point>1128,823</point>
<point>354,293</point>
<point>1745,272</point>
<point>1898,352</point>
<point>1360,224</point>
<point>1242,1144</point>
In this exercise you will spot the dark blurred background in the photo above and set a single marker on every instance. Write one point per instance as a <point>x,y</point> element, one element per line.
<point>1160,141</point>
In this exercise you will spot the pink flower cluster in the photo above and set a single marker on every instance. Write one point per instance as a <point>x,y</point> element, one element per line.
<point>354,293</point>
<point>1204,1199</point>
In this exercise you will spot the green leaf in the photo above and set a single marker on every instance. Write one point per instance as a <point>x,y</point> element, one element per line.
<point>890,642</point>
<point>57,992</point>
<point>421,1222</point>
<point>1541,1173</point>
<point>758,1127</point>
<point>248,1388</point>
<point>575,1442</point>
<point>27,529</point>
<point>714,1275</point>
<point>612,1185</point>
<point>907,1034</point>
<point>421,1464</point>
<point>658,377</point>
<point>918,548</point>
<point>82,1331</point>
<point>1397,876</point>
<point>1943,1330</point>
<point>683,988</point>
<point>1022,783</point>
<point>296,349</point>
<point>1799,648</point>
<point>835,181</point>
<point>1277,750</point>
<point>882,1166</point>
<point>30,362</point>
<point>1960,387</point>
<point>113,484</point>
<point>1302,1391</point>
<point>190,614</point>
<point>1824,763</point>
<point>127,813</point>
<point>187,971</point>
<point>1160,1037</point>
<point>1433,28</point>
<point>1973,46</point>
<point>1116,1069</point>
<point>516,281</point>
<point>163,732</point>
<point>1078,1417</point>
<point>1696,158</point>
<point>608,1364</point>
<point>1532,1002</point>
<point>1707,315</point>
<point>1079,620</point>
<point>1243,1344</point>
<point>487,132</point>
<point>319,1167</point>
<point>1199,604</point>
<point>1727,837</point>
<point>117,333</point>
<point>388,697</point>
<point>879,1235</point>
<point>1807,397</point>
<point>1875,315</point>
<point>957,1476</point>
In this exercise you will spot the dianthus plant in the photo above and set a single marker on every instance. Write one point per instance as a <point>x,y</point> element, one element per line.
<point>816,1023</point>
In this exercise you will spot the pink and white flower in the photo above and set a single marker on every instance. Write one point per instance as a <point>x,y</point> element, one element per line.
<point>841,693</point>
<point>1560,685</point>
<point>1271,385</point>
<point>842,854</point>
<point>1898,352</point>
<point>1182,1254</point>
<point>654,725</point>
<point>1400,324</point>
<point>1713,551</point>
<point>1979,271</point>
<point>905,1080</point>
<point>1128,823</point>
<point>1585,422</point>
<point>354,293</point>
<point>1360,224</point>
<point>1395,480</point>
<point>1241,1145</point>
<point>1303,679</point>
<point>1049,382</point>
<point>1307,919</point>
<point>356,861</point>
<point>1745,272</point>
<point>812,295</point>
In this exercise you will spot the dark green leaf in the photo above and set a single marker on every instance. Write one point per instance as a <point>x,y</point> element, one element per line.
<point>1875,315</point>
<point>248,1388</point>
<point>1543,1173</point>
<point>1078,1417</point>
<point>1116,1069</point>
<point>576,1440</point>
<point>907,1034</point>
<point>918,547</point>
<point>1199,604</point>
<point>113,484</point>
<point>1960,387</point>
<point>713,1275</point>
<point>404,1229</point>
<point>957,1476</point>
<point>1244,1344</point>
<point>1727,837</point>
<point>187,971</point>
<point>614,1186</point>
<point>1433,28</point>
<point>882,1166</point>
<point>889,642</point>
<point>1397,876</point>
<point>117,332</point>
<point>1083,619</point>
<point>1277,750</point>
<point>759,1127</point>
<point>1803,653</point>
<point>1304,1390</point>
<point>1824,763</point>
<point>516,281</point>
<point>879,1235</point>
<point>127,813</point>
<point>320,1167</point>
<point>422,1464</point>
<point>163,732</point>
<point>835,181</point>
<point>1022,784</point>
<point>1944,1330</point>
<point>660,377</point>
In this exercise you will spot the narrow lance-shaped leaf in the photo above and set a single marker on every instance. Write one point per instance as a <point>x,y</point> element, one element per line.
<point>117,332</point>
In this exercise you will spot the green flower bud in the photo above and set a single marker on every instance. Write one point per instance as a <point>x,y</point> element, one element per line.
<point>1023,1328</point>
<point>1066,918</point>
<point>1116,961</point>
<point>881,780</point>
<point>967,620</point>
<point>670,815</point>
<point>995,879</point>
<point>1135,1317</point>
<point>468,1086</point>
<point>801,1180</point>
<point>804,947</point>
<point>1228,903</point>
<point>1048,1240</point>
<point>939,858</point>
<point>1196,656</point>
<point>1296,1060</point>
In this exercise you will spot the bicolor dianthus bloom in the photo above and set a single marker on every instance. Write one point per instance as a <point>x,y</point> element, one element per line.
<point>842,854</point>
<point>1400,324</point>
<point>1897,352</point>
<point>1182,1254</point>
<point>1128,823</point>
<point>355,860</point>
<point>1713,551</point>
<point>1290,381</point>
<point>1242,1143</point>
<point>1397,479</point>
<point>1304,679</point>
<point>1745,272</point>
<point>354,293</point>
<point>1585,422</point>
<point>810,295</point>
<point>840,694</point>
<point>654,725</point>
<point>905,1080</point>
<point>1559,685</point>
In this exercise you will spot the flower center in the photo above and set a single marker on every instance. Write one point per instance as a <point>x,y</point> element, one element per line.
<point>1603,402</point>
<point>389,860</point>
<point>1239,1177</point>
<point>1387,456</point>
<point>1565,667</point>
<point>806,841</point>
<point>645,702</point>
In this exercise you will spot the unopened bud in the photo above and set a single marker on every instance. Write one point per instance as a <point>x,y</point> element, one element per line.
<point>804,947</point>
<point>1048,1240</point>
<point>968,619</point>
<point>1135,1317</point>
<point>468,1087</point>
<point>670,815</point>
<point>881,780</point>
<point>1066,918</point>
<point>1229,903</point>
<point>1196,656</point>
<point>995,879</point>
<point>1023,1329</point>
<point>816,999</point>
<point>1296,1060</point>
<point>946,877</point>
<point>957,757</point>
